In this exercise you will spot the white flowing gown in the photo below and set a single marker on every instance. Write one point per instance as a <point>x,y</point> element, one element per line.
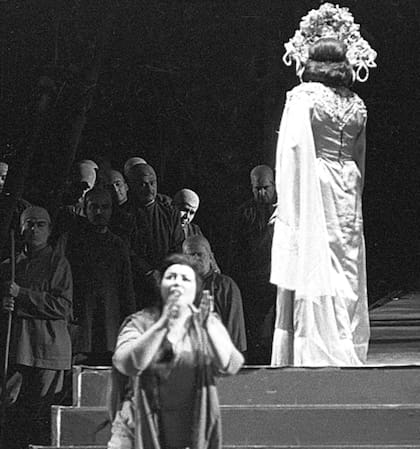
<point>318,247</point>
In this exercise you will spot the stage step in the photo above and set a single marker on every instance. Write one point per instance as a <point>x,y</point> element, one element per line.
<point>395,333</point>
<point>400,308</point>
<point>263,407</point>
<point>352,446</point>
<point>271,425</point>
<point>264,385</point>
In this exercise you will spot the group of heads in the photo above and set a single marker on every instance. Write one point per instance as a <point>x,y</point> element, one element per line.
<point>98,198</point>
<point>140,178</point>
<point>98,203</point>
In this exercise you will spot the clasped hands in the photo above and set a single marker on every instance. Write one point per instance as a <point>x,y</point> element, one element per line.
<point>175,313</point>
<point>10,290</point>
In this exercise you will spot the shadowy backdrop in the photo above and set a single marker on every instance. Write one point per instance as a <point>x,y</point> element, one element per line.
<point>197,89</point>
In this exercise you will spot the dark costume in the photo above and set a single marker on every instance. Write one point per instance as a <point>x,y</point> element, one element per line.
<point>158,234</point>
<point>103,288</point>
<point>250,265</point>
<point>228,304</point>
<point>191,229</point>
<point>123,224</point>
<point>40,343</point>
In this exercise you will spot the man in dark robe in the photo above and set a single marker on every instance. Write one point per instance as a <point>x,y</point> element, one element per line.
<point>82,178</point>
<point>131,163</point>
<point>122,222</point>
<point>117,181</point>
<point>186,202</point>
<point>40,298</point>
<point>103,285</point>
<point>159,231</point>
<point>250,262</point>
<point>226,294</point>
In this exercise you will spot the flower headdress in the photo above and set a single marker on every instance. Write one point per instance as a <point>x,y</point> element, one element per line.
<point>330,21</point>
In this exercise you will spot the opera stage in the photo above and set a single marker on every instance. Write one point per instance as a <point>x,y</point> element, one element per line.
<point>376,406</point>
<point>395,330</point>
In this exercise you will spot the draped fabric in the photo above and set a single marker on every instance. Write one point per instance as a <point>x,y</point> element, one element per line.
<point>318,243</point>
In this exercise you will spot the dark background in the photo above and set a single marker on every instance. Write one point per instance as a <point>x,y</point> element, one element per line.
<point>197,89</point>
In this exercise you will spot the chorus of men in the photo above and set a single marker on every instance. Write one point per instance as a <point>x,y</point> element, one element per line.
<point>78,276</point>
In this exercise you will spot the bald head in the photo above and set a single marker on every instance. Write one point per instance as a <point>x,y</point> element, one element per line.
<point>85,171</point>
<point>3,173</point>
<point>35,213</point>
<point>142,181</point>
<point>35,223</point>
<point>186,202</point>
<point>130,163</point>
<point>198,248</point>
<point>262,184</point>
<point>89,163</point>
<point>117,181</point>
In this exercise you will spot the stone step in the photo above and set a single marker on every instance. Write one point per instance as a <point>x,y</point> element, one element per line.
<point>271,425</point>
<point>83,446</point>
<point>265,385</point>
<point>341,446</point>
<point>395,333</point>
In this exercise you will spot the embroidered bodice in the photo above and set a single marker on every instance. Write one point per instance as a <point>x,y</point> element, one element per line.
<point>338,116</point>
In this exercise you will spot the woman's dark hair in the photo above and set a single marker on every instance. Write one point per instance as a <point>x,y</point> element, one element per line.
<point>181,259</point>
<point>328,64</point>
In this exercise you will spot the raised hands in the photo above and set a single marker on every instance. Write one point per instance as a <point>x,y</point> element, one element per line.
<point>206,307</point>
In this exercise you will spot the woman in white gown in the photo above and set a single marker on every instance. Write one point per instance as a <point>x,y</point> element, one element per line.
<point>318,252</point>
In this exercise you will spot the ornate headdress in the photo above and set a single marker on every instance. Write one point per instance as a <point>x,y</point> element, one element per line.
<point>330,21</point>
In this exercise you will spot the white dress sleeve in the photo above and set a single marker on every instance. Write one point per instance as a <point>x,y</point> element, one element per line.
<point>300,250</point>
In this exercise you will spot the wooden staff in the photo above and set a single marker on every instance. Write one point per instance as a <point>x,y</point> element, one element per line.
<point>3,397</point>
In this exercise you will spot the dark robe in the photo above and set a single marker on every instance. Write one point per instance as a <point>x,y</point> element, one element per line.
<point>123,224</point>
<point>191,229</point>
<point>250,265</point>
<point>159,233</point>
<point>103,288</point>
<point>228,304</point>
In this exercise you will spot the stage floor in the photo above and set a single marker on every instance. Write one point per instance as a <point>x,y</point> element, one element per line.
<point>395,331</point>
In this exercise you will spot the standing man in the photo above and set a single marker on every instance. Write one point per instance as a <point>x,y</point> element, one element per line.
<point>117,181</point>
<point>40,297</point>
<point>103,286</point>
<point>226,294</point>
<point>71,213</point>
<point>186,201</point>
<point>122,222</point>
<point>250,262</point>
<point>159,231</point>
